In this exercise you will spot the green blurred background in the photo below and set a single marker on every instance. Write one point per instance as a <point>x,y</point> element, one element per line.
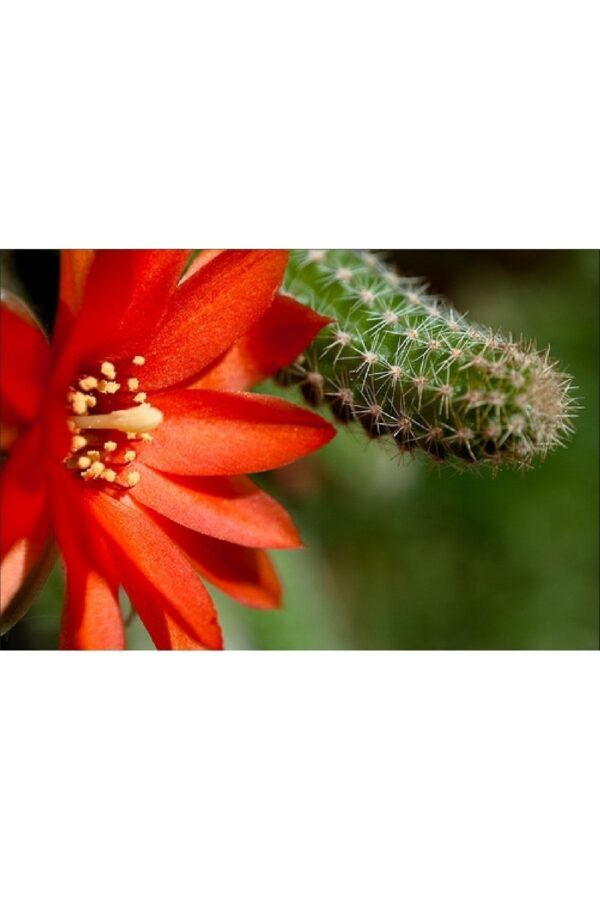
<point>401,556</point>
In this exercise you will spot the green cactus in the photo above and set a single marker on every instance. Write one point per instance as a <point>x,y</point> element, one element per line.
<point>403,364</point>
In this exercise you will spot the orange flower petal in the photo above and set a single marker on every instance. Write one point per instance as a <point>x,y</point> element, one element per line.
<point>24,362</point>
<point>217,433</point>
<point>245,574</point>
<point>231,509</point>
<point>125,299</point>
<point>24,523</point>
<point>91,617</point>
<point>210,310</point>
<point>74,268</point>
<point>202,259</point>
<point>169,597</point>
<point>277,339</point>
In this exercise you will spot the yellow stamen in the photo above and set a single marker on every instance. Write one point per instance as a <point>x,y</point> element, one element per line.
<point>136,419</point>
<point>79,406</point>
<point>108,370</point>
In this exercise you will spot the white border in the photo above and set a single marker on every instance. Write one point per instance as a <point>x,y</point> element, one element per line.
<point>433,125</point>
<point>270,775</point>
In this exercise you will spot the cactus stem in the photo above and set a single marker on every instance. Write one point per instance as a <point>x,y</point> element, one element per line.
<point>403,364</point>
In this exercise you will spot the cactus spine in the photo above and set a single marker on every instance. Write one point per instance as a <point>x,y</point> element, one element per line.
<point>403,364</point>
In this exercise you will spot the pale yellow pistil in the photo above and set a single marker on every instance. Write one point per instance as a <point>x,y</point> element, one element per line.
<point>135,420</point>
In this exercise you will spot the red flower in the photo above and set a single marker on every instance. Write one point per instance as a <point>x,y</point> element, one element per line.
<point>132,435</point>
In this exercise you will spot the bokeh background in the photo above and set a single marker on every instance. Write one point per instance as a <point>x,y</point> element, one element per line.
<point>401,556</point>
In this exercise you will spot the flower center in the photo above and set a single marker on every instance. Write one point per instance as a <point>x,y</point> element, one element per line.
<point>108,420</point>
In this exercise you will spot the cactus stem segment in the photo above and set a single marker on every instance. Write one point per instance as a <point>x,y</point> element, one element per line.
<point>404,365</point>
